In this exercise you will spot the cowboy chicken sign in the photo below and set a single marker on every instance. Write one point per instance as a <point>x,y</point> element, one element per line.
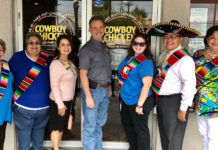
<point>119,32</point>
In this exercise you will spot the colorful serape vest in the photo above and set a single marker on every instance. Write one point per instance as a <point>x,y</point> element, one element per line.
<point>31,76</point>
<point>129,67</point>
<point>4,76</point>
<point>158,80</point>
<point>202,70</point>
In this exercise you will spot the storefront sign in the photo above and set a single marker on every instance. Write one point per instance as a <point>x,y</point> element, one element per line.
<point>119,32</point>
<point>50,26</point>
<point>98,3</point>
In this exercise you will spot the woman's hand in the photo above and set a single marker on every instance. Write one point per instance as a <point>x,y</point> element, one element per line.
<point>61,111</point>
<point>139,110</point>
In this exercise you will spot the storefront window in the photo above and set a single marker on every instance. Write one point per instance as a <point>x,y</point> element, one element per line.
<point>203,15</point>
<point>123,20</point>
<point>51,18</point>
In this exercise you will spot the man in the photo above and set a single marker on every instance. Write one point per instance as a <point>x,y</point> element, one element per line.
<point>175,84</point>
<point>95,74</point>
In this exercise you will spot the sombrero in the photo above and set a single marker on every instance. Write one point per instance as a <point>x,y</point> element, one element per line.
<point>173,26</point>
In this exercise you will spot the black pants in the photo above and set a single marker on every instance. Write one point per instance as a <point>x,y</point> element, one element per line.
<point>172,130</point>
<point>2,135</point>
<point>136,126</point>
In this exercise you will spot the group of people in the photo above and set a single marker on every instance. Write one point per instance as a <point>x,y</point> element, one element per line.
<point>177,80</point>
<point>43,88</point>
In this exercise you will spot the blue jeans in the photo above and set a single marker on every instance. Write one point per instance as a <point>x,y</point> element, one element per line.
<point>94,118</point>
<point>30,125</point>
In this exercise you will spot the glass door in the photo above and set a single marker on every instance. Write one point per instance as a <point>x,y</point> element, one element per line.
<point>123,20</point>
<point>52,18</point>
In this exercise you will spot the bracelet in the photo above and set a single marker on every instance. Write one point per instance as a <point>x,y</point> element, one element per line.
<point>138,106</point>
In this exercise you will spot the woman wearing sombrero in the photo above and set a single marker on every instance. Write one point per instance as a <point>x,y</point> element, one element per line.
<point>175,84</point>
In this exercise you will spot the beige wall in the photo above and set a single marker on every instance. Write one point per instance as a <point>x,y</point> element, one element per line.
<point>6,26</point>
<point>178,10</point>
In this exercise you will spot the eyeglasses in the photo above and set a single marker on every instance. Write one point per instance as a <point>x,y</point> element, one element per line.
<point>173,36</point>
<point>33,43</point>
<point>141,44</point>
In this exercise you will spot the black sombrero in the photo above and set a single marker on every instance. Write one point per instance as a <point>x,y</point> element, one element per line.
<point>173,26</point>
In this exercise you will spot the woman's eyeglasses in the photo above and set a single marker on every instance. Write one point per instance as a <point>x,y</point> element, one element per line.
<point>141,44</point>
<point>33,43</point>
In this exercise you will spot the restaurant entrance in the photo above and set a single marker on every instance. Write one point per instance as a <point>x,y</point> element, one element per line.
<point>124,18</point>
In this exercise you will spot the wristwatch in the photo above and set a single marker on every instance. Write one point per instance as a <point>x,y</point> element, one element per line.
<point>138,106</point>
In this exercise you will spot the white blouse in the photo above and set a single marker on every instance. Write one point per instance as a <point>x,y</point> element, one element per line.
<point>180,78</point>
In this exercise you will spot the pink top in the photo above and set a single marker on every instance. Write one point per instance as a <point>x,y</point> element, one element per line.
<point>62,83</point>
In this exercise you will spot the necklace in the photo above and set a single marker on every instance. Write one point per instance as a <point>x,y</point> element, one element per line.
<point>64,61</point>
<point>67,65</point>
<point>211,54</point>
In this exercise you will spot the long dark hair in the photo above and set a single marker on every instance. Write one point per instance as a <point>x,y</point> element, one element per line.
<point>76,45</point>
<point>57,52</point>
<point>147,51</point>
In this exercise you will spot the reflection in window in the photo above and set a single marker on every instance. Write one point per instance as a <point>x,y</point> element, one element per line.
<point>123,20</point>
<point>51,18</point>
<point>142,11</point>
<point>203,15</point>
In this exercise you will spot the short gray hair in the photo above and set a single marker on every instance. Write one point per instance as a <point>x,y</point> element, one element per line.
<point>33,34</point>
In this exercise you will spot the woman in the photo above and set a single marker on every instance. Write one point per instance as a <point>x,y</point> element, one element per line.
<point>31,92</point>
<point>6,93</point>
<point>206,99</point>
<point>135,75</point>
<point>63,80</point>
